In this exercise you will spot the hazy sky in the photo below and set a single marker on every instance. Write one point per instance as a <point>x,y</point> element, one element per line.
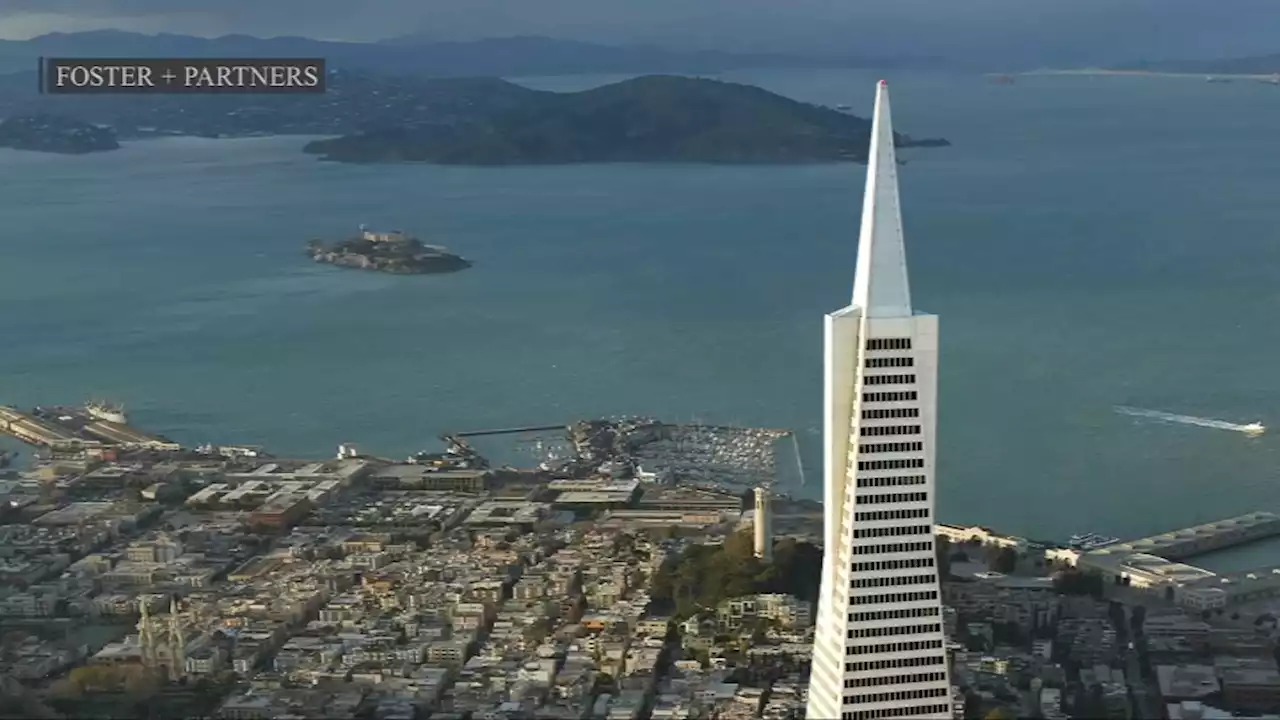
<point>1053,29</point>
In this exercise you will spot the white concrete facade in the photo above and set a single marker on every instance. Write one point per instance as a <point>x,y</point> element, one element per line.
<point>880,649</point>
<point>763,526</point>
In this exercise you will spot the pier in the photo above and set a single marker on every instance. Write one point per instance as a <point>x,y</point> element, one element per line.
<point>32,430</point>
<point>1158,563</point>
<point>509,431</point>
<point>65,427</point>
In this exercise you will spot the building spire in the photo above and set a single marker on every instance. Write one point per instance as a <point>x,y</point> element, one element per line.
<point>880,284</point>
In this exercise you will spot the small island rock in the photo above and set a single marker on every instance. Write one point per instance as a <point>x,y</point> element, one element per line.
<point>389,252</point>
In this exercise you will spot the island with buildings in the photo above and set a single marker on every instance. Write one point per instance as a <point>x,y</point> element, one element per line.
<point>55,134</point>
<point>390,252</point>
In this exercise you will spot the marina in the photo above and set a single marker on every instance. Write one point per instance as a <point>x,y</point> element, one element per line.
<point>725,458</point>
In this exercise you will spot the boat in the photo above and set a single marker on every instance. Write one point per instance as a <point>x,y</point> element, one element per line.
<point>1091,541</point>
<point>107,412</point>
<point>1253,428</point>
<point>1214,79</point>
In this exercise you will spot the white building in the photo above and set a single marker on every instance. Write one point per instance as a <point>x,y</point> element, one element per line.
<point>879,649</point>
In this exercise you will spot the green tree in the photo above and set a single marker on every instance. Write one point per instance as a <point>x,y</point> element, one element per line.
<point>1005,560</point>
<point>942,550</point>
<point>1074,582</point>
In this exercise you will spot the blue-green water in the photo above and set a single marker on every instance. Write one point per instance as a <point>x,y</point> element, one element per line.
<point>1087,242</point>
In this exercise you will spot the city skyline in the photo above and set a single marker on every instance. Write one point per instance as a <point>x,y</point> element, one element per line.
<point>879,647</point>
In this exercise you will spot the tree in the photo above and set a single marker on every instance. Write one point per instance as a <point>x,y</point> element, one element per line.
<point>1005,560</point>
<point>140,683</point>
<point>705,575</point>
<point>1074,582</point>
<point>65,688</point>
<point>999,714</point>
<point>942,549</point>
<point>1137,618</point>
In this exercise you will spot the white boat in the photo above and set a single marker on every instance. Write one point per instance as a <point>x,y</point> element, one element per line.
<point>1253,428</point>
<point>108,412</point>
<point>1091,541</point>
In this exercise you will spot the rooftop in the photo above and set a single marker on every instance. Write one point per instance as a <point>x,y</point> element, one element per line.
<point>1187,681</point>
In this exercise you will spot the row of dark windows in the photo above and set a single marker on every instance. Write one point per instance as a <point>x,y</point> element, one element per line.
<point>881,430</point>
<point>897,396</point>
<point>874,515</point>
<point>897,695</point>
<point>889,380</point>
<point>896,614</point>
<point>889,344</point>
<point>864,665</point>
<point>892,498</point>
<point>895,531</point>
<point>884,362</point>
<point>873,448</point>
<point>892,598</point>
<point>894,580</point>
<point>858,633</point>
<point>925,546</point>
<point>891,481</point>
<point>904,564</point>
<point>895,679</point>
<point>882,413</point>
<point>893,712</point>
<point>910,646</point>
<point>901,464</point>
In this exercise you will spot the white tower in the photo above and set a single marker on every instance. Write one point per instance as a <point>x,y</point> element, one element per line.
<point>879,649</point>
<point>763,526</point>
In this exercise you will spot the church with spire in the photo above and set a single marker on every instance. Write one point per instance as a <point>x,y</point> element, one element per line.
<point>879,646</point>
<point>163,644</point>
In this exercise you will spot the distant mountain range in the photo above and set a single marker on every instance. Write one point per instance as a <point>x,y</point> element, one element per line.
<point>415,55</point>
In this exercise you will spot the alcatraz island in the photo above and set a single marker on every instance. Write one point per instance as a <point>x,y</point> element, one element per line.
<point>390,252</point>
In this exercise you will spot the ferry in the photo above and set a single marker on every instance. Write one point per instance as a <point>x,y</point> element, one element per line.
<point>1253,428</point>
<point>1091,541</point>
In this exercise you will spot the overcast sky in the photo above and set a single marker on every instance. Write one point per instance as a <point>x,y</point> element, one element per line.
<point>1053,29</point>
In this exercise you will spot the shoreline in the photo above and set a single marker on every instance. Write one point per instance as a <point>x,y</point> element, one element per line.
<point>1143,73</point>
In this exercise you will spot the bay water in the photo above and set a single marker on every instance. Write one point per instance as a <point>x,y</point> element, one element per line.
<point>1087,242</point>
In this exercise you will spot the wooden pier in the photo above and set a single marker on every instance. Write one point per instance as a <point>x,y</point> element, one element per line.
<point>509,431</point>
